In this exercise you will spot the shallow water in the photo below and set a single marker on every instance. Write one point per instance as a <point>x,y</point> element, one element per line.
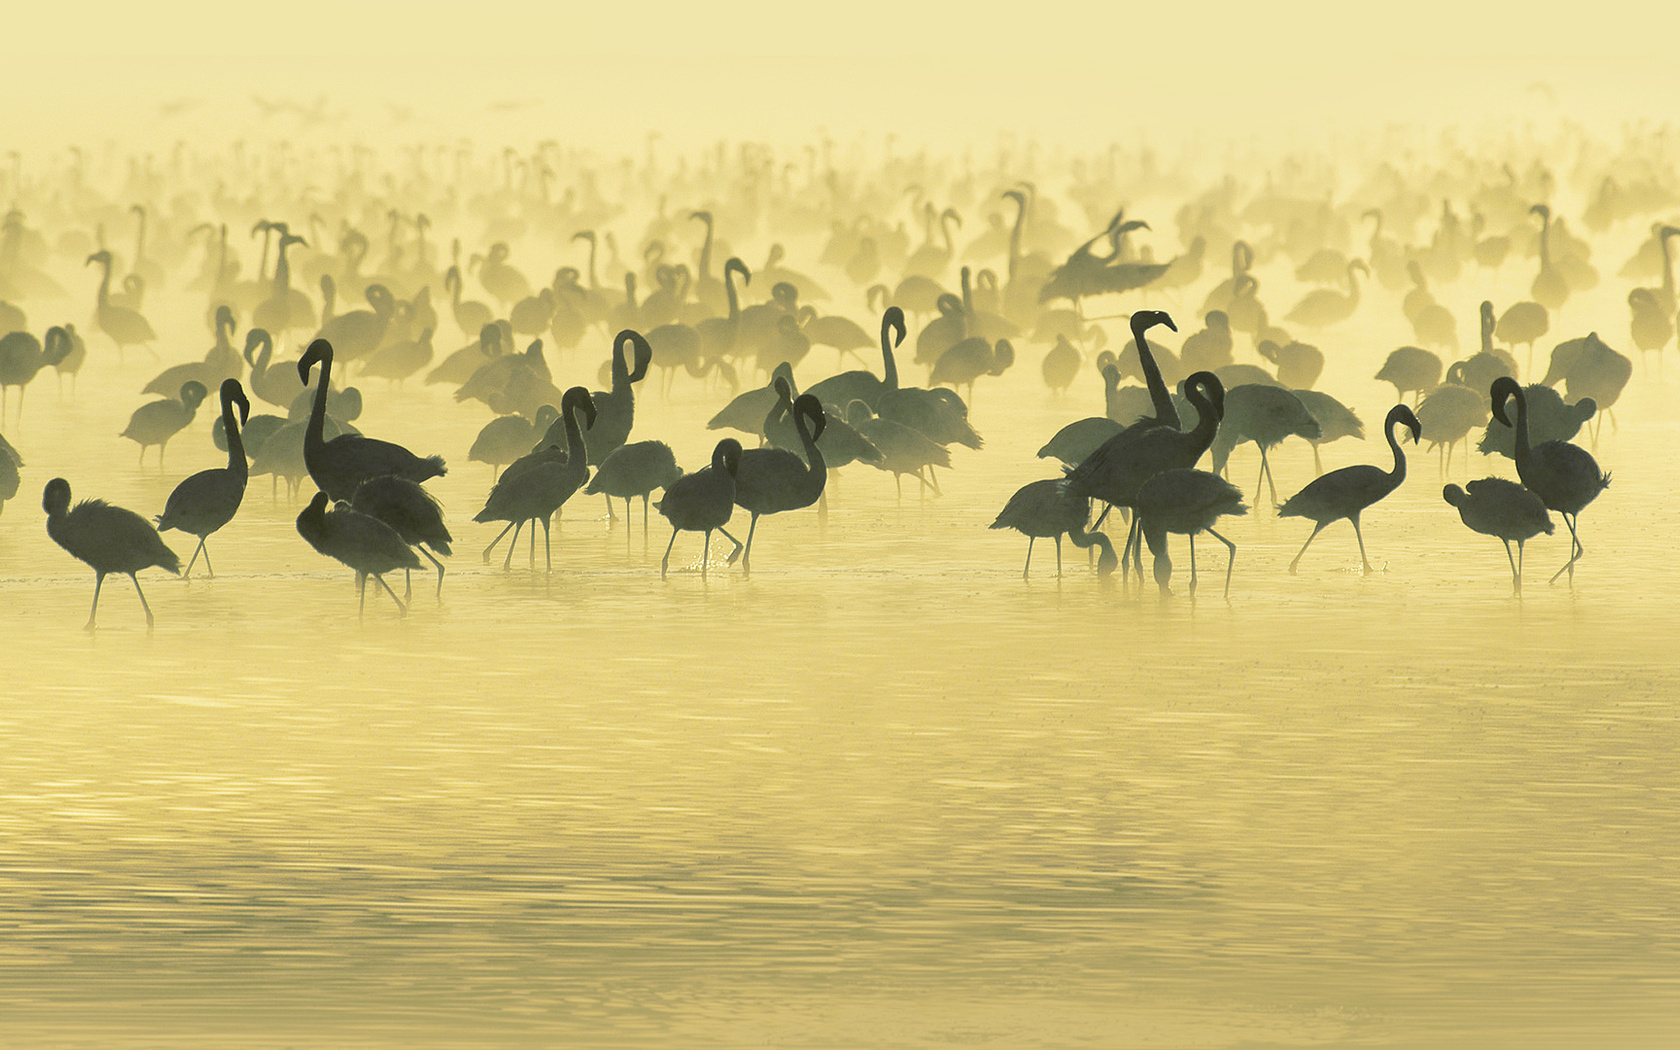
<point>882,792</point>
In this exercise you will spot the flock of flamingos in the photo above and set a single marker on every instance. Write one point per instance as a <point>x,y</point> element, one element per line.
<point>335,259</point>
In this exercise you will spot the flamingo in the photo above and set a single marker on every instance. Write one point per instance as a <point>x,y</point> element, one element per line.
<point>204,502</point>
<point>1347,492</point>
<point>110,539</point>
<point>703,502</point>
<point>1046,510</point>
<point>340,465</point>
<point>772,480</point>
<point>1564,476</point>
<point>1187,501</point>
<point>1504,510</point>
<point>364,543</point>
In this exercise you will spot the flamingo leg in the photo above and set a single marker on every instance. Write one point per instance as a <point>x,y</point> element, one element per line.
<point>402,609</point>
<point>98,582</point>
<point>706,554</point>
<point>208,570</point>
<point>548,553</point>
<point>507,562</point>
<point>1028,566</point>
<point>1316,530</point>
<point>1271,482</point>
<point>1318,464</point>
<point>1516,578</point>
<point>194,559</point>
<point>533,552</point>
<point>665,562</point>
<point>428,556</point>
<point>1260,478</point>
<point>1230,563</point>
<point>495,541</point>
<point>361,594</point>
<point>408,584</point>
<point>1363,561</point>
<point>746,553</point>
<point>610,515</point>
<point>1058,555</point>
<point>1575,551</point>
<point>1192,563</point>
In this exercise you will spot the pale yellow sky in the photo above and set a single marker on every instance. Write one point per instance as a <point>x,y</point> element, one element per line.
<point>1069,71</point>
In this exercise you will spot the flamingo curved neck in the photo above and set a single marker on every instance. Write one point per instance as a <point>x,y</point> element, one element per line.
<point>1398,474</point>
<point>1165,410</point>
<point>235,443</point>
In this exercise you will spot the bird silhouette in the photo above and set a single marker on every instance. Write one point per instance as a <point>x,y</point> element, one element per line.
<point>1346,493</point>
<point>703,502</point>
<point>1504,510</point>
<point>1589,369</point>
<point>1550,418</point>
<point>208,500</point>
<point>365,544</point>
<point>1564,476</point>
<point>22,357</point>
<point>1120,466</point>
<point>1265,415</point>
<point>1412,370</point>
<point>1448,415</point>
<point>902,450</point>
<point>635,469</point>
<point>1046,510</point>
<point>773,480</point>
<point>155,422</point>
<point>1323,307</point>
<point>412,512</point>
<point>533,487</point>
<point>506,438</point>
<point>616,408</point>
<point>110,539</point>
<point>340,465</point>
<point>125,326</point>
<point>1185,501</point>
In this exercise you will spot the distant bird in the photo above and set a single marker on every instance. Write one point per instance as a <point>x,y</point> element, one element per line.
<point>1323,307</point>
<point>1412,370</point>
<point>1265,415</point>
<point>533,487</point>
<point>1652,326</point>
<point>506,438</point>
<point>903,450</point>
<point>773,480</point>
<point>1564,476</point>
<point>364,543</point>
<point>745,412</point>
<point>221,362</point>
<point>1186,501</point>
<point>1079,439</point>
<point>1346,493</point>
<point>1046,510</point>
<point>1210,348</point>
<point>635,469</point>
<point>126,327</point>
<point>206,501</point>
<point>1448,415</point>
<point>1335,421</point>
<point>410,510</point>
<point>1299,365</point>
<point>970,359</point>
<point>1549,289</point>
<point>1588,368</point>
<point>1550,418</point>
<point>1504,510</point>
<point>359,332</point>
<point>108,538</point>
<point>1060,365</point>
<point>703,502</point>
<point>470,316</point>
<point>22,357</point>
<point>155,422</point>
<point>1523,322</point>
<point>340,465</point>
